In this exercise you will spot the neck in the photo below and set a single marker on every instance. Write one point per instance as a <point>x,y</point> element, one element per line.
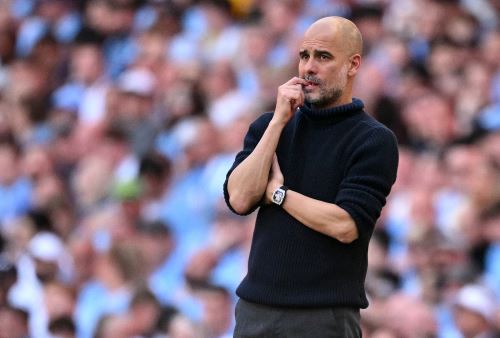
<point>333,112</point>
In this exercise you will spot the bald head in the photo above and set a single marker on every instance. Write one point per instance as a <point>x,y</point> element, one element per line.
<point>329,57</point>
<point>339,29</point>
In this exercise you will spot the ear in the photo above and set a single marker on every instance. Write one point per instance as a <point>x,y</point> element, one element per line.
<point>354,64</point>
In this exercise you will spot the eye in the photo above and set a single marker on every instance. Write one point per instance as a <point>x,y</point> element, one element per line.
<point>304,56</point>
<point>324,57</point>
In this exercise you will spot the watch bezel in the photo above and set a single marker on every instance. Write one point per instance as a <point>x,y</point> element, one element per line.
<point>279,196</point>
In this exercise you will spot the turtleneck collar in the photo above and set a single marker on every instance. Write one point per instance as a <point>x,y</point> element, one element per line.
<point>332,113</point>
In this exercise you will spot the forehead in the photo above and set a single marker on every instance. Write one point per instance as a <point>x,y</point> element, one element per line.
<point>317,44</point>
<point>324,39</point>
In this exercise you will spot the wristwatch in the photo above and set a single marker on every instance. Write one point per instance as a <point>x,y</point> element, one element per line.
<point>279,195</point>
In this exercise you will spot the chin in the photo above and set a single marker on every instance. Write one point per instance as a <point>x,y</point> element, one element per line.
<point>312,98</point>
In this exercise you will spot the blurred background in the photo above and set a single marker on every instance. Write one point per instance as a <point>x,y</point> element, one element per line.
<point>120,118</point>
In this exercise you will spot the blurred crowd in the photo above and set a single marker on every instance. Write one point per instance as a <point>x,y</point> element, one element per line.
<point>120,118</point>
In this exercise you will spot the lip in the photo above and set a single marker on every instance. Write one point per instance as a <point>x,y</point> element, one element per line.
<point>310,85</point>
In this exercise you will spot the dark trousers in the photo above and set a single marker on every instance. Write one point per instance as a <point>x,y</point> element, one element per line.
<point>261,321</point>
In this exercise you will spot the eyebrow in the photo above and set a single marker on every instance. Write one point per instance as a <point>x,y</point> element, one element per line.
<point>316,52</point>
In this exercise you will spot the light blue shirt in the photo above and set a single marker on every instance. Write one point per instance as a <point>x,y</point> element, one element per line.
<point>15,199</point>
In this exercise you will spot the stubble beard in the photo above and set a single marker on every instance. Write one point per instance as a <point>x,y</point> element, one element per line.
<point>327,96</point>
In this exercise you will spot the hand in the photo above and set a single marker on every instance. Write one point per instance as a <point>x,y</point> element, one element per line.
<point>276,180</point>
<point>290,97</point>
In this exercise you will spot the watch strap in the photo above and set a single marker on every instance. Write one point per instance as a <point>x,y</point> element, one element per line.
<point>285,189</point>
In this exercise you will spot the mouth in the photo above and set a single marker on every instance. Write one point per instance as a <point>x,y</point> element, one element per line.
<point>310,85</point>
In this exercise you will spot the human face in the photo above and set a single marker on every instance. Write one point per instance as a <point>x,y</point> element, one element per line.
<point>326,69</point>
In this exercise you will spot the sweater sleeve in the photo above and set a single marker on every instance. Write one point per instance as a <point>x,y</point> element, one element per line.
<point>253,136</point>
<point>370,174</point>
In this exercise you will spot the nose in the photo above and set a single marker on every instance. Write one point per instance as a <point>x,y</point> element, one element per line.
<point>310,66</point>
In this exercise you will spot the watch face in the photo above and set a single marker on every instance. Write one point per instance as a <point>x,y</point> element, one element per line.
<point>278,196</point>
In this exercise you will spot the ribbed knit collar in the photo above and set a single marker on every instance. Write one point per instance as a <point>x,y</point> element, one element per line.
<point>332,113</point>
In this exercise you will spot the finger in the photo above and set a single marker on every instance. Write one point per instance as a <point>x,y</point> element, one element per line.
<point>289,89</point>
<point>296,81</point>
<point>299,102</point>
<point>292,101</point>
<point>296,98</point>
<point>293,93</point>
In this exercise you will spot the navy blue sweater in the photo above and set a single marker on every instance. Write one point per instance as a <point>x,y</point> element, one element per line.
<point>341,156</point>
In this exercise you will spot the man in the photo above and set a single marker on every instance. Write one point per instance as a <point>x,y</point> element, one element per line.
<point>13,322</point>
<point>320,169</point>
<point>474,312</point>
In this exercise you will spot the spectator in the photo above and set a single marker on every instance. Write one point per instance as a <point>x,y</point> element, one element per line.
<point>63,327</point>
<point>217,320</point>
<point>85,92</point>
<point>13,322</point>
<point>116,276</point>
<point>8,277</point>
<point>182,327</point>
<point>91,90</point>
<point>474,312</point>
<point>145,312</point>
<point>15,190</point>
<point>164,266</point>
<point>111,326</point>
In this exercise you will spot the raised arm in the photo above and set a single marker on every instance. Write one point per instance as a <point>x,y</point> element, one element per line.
<point>248,181</point>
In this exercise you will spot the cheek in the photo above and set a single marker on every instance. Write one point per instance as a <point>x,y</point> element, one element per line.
<point>340,76</point>
<point>301,69</point>
<point>342,73</point>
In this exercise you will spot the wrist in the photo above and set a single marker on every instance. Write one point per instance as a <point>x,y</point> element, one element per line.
<point>278,122</point>
<point>279,195</point>
<point>270,191</point>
